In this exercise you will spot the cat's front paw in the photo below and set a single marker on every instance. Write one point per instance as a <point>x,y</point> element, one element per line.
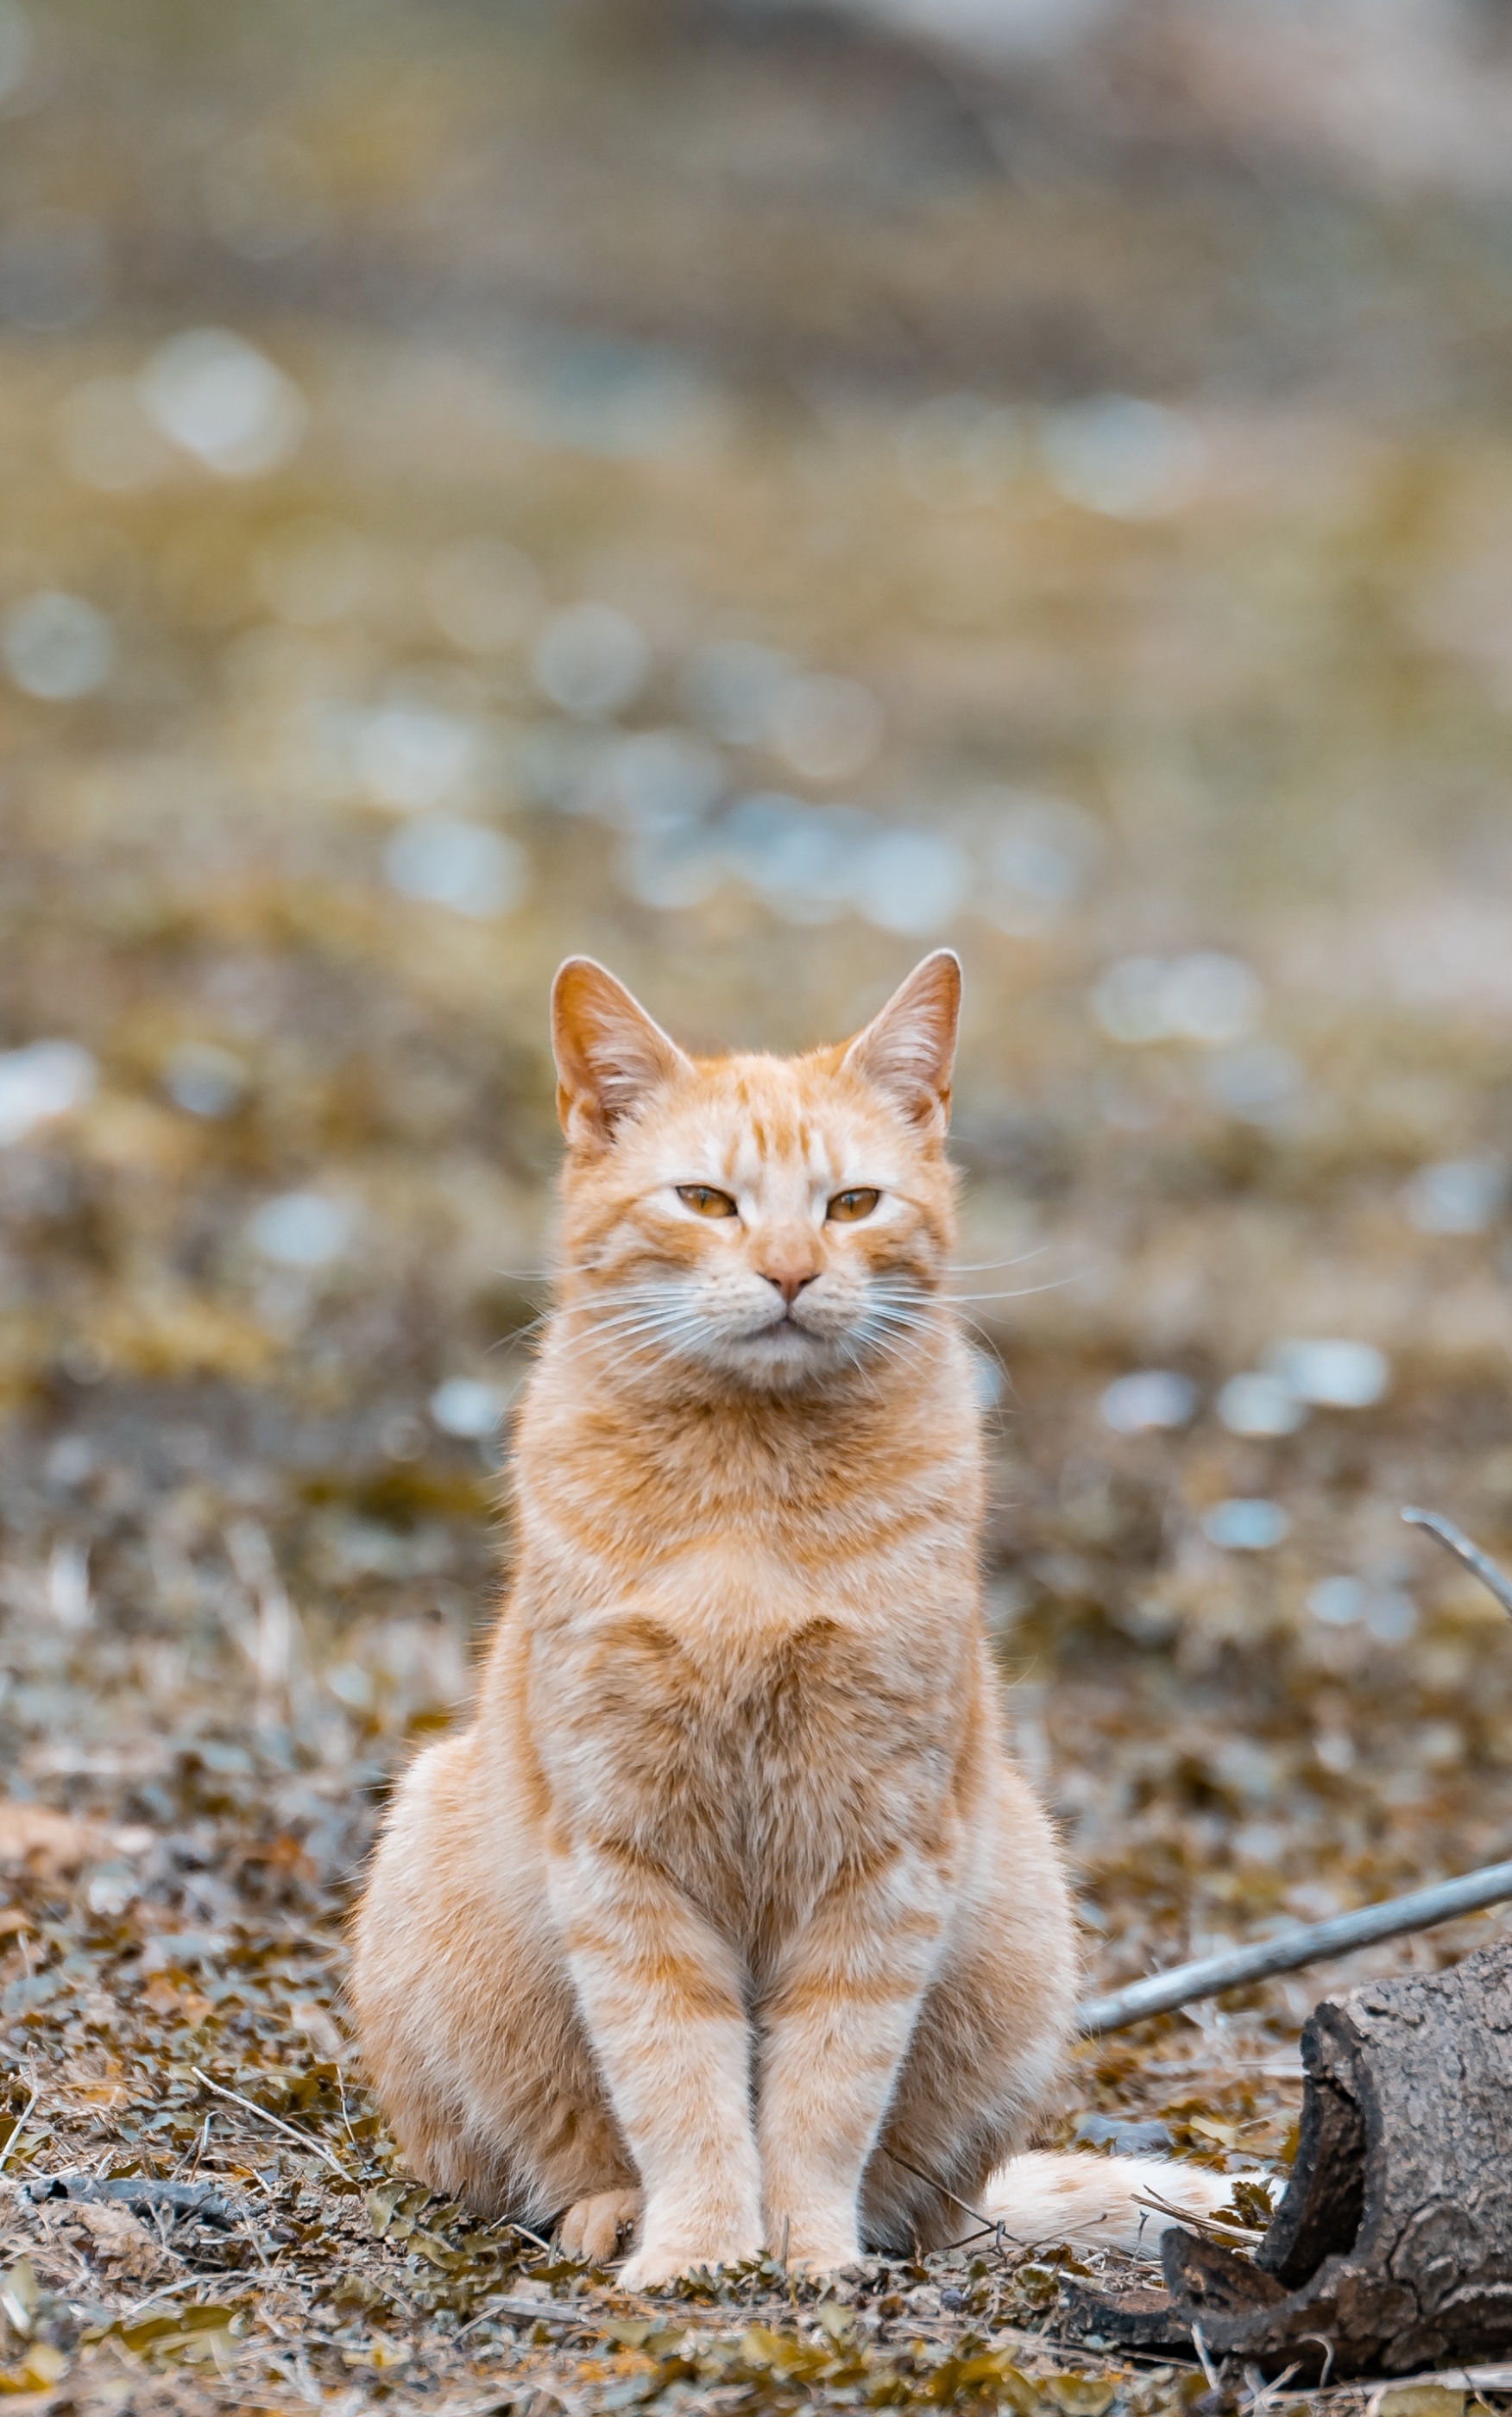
<point>592,2228</point>
<point>815,2245</point>
<point>672,2249</point>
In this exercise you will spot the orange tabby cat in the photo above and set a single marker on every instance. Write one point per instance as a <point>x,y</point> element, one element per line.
<point>729,1920</point>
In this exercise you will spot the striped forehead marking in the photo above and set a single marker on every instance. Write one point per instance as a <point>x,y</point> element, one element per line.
<point>773,1144</point>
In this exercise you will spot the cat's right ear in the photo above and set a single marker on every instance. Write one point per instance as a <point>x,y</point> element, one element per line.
<point>610,1055</point>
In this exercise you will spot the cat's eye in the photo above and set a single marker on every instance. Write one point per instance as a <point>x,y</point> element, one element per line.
<point>847,1207</point>
<point>705,1201</point>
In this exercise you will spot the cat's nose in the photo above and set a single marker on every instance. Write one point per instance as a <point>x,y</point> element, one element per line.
<point>790,1280</point>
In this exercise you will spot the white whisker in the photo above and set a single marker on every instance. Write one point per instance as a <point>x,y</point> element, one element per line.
<point>990,1266</point>
<point>1022,1292</point>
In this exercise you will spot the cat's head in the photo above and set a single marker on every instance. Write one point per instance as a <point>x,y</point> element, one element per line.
<point>761,1223</point>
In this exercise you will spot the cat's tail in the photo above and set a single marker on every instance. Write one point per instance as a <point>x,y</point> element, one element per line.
<point>1106,2202</point>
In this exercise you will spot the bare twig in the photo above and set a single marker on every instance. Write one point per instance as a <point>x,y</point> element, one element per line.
<point>1473,2379</point>
<point>301,2139</point>
<point>1215,2225</point>
<point>1463,1550</point>
<point>1264,2395</point>
<point>346,2119</point>
<point>919,2175</point>
<point>163,2291</point>
<point>1312,1943</point>
<point>984,2223</point>
<point>1200,2345</point>
<point>16,2128</point>
<point>1316,1941</point>
<point>548,2312</point>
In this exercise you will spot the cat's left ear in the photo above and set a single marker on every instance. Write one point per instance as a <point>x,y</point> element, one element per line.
<point>610,1055</point>
<point>909,1048</point>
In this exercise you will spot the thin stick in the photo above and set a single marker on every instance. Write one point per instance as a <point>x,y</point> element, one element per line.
<point>1311,1944</point>
<point>1264,2395</point>
<point>1463,1550</point>
<point>164,2290</point>
<point>1200,2345</point>
<point>549,2312</point>
<point>1477,2379</point>
<point>23,2117</point>
<point>1221,2231</point>
<point>1317,1941</point>
<point>346,2119</point>
<point>557,2311</point>
<point>301,2139</point>
<point>919,2175</point>
<point>987,2223</point>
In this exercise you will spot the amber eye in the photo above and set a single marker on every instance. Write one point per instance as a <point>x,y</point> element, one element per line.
<point>847,1207</point>
<point>706,1201</point>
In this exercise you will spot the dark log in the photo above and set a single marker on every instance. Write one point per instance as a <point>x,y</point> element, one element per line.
<point>1392,2249</point>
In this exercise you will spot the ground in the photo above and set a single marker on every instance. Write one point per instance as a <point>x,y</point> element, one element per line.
<point>1189,729</point>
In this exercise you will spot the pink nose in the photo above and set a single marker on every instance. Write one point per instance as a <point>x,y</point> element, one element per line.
<point>790,1282</point>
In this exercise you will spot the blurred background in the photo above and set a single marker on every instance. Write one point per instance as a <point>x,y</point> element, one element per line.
<point>755,491</point>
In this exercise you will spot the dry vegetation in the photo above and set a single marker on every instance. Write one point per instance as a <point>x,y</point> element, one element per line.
<point>667,308</point>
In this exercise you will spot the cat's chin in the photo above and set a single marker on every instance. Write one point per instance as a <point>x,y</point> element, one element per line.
<point>781,1359</point>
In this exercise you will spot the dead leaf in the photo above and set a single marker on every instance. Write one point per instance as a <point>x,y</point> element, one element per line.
<point>321,2031</point>
<point>114,2238</point>
<point>1082,2396</point>
<point>1421,2400</point>
<point>57,1843</point>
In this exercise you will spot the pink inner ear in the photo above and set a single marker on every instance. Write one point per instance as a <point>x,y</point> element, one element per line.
<point>908,1049</point>
<point>609,1054</point>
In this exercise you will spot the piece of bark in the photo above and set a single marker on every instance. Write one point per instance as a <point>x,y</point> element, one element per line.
<point>1141,2317</point>
<point>1203,2273</point>
<point>1392,2249</point>
<point>142,2195</point>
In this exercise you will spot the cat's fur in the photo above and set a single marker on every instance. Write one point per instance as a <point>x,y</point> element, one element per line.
<point>729,1919</point>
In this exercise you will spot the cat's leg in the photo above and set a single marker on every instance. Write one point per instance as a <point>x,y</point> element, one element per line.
<point>836,2024</point>
<point>469,2026</point>
<point>662,2000</point>
<point>1000,2010</point>
<point>982,2062</point>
